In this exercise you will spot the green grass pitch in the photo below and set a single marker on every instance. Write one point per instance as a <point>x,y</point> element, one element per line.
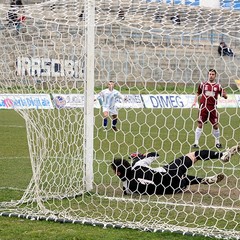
<point>168,131</point>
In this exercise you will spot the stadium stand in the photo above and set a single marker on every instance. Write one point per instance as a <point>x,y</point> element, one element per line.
<point>42,29</point>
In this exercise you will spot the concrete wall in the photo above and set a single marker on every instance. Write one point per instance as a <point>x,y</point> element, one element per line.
<point>136,51</point>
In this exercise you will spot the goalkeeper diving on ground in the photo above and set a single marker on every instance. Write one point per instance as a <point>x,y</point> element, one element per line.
<point>172,178</point>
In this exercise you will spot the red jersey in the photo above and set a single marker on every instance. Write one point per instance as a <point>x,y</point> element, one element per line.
<point>209,93</point>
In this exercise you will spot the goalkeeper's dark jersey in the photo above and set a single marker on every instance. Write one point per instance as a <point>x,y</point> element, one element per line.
<point>143,180</point>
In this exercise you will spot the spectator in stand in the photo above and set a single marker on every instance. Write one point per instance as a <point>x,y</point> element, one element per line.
<point>12,16</point>
<point>224,50</point>
<point>158,17</point>
<point>176,20</point>
<point>13,3</point>
<point>19,3</point>
<point>81,15</point>
<point>121,14</point>
<point>15,14</point>
<point>20,21</point>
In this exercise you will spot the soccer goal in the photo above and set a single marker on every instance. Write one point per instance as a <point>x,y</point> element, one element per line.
<point>56,56</point>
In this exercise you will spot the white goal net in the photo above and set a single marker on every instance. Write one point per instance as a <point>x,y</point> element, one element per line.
<point>56,56</point>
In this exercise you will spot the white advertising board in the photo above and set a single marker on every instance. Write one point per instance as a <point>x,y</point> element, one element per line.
<point>25,101</point>
<point>168,101</point>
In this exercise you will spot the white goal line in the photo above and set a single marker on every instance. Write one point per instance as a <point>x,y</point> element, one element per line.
<point>171,204</point>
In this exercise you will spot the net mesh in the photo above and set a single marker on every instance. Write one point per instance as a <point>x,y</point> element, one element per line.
<point>143,48</point>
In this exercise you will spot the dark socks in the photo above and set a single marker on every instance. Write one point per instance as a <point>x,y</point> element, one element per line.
<point>207,154</point>
<point>114,122</point>
<point>105,122</point>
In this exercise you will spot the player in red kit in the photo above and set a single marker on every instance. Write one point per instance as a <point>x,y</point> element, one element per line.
<point>209,92</point>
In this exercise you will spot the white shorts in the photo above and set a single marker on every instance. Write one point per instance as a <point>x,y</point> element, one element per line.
<point>111,111</point>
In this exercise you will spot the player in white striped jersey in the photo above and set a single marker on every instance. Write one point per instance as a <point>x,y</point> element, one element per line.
<point>108,99</point>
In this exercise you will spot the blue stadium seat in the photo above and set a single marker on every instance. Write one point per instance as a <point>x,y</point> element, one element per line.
<point>187,2</point>
<point>223,3</point>
<point>175,2</point>
<point>230,4</point>
<point>153,1</point>
<point>193,2</point>
<point>226,4</point>
<point>237,5</point>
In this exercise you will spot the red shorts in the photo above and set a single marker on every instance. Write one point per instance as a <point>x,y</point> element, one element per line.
<point>208,113</point>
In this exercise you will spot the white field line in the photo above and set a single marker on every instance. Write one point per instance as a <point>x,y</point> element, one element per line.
<point>5,158</point>
<point>108,161</point>
<point>12,126</point>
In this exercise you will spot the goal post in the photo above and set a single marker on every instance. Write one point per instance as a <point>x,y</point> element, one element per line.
<point>89,92</point>
<point>54,62</point>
